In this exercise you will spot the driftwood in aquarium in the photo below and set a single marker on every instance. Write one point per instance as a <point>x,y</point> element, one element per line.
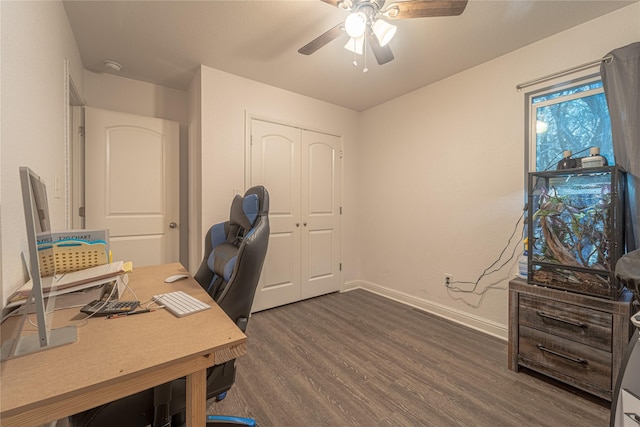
<point>566,281</point>
<point>564,255</point>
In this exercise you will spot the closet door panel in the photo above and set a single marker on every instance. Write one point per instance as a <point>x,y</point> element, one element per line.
<point>320,214</point>
<point>275,163</point>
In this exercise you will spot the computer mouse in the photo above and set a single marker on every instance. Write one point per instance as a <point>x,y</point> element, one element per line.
<point>175,278</point>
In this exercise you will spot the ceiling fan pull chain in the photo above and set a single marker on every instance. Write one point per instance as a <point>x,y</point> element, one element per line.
<point>364,51</point>
<point>355,58</point>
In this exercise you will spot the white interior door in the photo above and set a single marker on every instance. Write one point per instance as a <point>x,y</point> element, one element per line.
<point>131,184</point>
<point>275,163</point>
<point>301,171</point>
<point>320,214</point>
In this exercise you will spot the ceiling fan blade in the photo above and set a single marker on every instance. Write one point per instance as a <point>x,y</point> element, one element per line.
<point>383,54</point>
<point>322,40</point>
<point>424,8</point>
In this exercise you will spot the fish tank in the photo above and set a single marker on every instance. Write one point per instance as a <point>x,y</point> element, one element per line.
<point>576,230</point>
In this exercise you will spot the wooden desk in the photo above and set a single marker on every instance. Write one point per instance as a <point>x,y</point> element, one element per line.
<point>114,358</point>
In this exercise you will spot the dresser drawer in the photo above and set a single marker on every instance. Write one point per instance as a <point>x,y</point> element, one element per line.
<point>573,322</point>
<point>567,358</point>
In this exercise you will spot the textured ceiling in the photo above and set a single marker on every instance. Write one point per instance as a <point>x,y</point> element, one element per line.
<point>164,42</point>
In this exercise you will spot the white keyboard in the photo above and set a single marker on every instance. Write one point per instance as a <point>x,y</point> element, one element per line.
<point>180,303</point>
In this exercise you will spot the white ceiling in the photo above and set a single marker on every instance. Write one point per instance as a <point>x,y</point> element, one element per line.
<point>164,42</point>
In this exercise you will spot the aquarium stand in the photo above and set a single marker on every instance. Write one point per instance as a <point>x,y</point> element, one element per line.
<point>577,339</point>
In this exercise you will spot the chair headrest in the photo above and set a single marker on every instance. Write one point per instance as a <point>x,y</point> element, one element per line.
<point>244,211</point>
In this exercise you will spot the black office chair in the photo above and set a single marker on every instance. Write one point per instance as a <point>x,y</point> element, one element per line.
<point>230,270</point>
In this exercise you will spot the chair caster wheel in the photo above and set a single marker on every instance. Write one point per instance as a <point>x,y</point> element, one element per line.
<point>221,396</point>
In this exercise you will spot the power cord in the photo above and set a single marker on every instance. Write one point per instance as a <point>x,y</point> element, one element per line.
<point>487,271</point>
<point>125,281</point>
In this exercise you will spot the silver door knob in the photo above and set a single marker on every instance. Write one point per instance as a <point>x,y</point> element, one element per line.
<point>173,225</point>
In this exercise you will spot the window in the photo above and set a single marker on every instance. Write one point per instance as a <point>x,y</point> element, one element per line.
<point>571,117</point>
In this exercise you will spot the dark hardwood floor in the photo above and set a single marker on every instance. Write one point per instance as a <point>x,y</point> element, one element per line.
<point>358,359</point>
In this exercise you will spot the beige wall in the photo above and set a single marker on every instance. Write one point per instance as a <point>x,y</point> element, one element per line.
<point>36,39</point>
<point>111,92</point>
<point>194,172</point>
<point>453,183</point>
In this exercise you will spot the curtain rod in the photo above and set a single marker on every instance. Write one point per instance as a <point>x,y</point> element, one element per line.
<point>608,58</point>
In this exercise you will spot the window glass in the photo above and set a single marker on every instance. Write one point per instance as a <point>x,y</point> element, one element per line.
<point>572,118</point>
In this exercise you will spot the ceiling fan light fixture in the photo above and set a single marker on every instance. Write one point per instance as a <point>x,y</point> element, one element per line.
<point>355,45</point>
<point>384,31</point>
<point>368,18</point>
<point>355,24</point>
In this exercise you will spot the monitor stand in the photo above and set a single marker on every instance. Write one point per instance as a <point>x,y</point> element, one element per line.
<point>27,344</point>
<point>44,339</point>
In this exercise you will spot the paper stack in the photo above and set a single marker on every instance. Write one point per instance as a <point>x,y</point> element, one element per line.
<point>71,282</point>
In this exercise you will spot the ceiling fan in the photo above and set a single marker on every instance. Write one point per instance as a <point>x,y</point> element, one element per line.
<point>365,23</point>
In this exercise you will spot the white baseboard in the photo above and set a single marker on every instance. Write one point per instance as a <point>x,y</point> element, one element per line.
<point>478,323</point>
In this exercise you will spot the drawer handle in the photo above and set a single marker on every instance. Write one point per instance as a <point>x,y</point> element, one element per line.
<point>579,360</point>
<point>562,319</point>
<point>634,417</point>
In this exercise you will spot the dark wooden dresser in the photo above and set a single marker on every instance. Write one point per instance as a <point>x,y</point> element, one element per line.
<point>574,338</point>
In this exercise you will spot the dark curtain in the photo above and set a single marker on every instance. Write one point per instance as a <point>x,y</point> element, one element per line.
<point>621,80</point>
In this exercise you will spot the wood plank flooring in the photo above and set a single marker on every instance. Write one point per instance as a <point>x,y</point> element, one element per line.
<point>358,359</point>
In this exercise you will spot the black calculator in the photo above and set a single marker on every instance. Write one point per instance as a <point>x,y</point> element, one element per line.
<point>105,308</point>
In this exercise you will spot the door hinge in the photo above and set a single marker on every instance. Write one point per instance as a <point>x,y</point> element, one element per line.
<point>81,130</point>
<point>81,212</point>
<point>340,210</point>
<point>341,153</point>
<point>340,266</point>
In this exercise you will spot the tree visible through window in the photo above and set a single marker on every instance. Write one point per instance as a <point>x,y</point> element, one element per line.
<point>573,118</point>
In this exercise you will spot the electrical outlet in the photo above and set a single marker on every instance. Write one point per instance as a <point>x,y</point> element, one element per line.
<point>448,279</point>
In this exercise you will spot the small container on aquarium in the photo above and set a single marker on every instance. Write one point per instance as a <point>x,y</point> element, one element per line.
<point>575,227</point>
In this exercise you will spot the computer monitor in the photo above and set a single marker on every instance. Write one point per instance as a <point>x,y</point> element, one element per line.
<point>38,224</point>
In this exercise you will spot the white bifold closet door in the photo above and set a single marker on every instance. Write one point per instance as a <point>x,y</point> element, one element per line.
<point>301,171</point>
